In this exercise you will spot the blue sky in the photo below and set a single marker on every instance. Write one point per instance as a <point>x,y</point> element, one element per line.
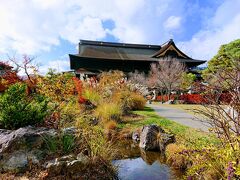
<point>50,29</point>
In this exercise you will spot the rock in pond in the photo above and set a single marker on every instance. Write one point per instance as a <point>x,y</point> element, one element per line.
<point>153,138</point>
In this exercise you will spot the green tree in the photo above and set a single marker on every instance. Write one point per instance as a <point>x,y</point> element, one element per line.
<point>187,80</point>
<point>224,59</point>
<point>18,109</point>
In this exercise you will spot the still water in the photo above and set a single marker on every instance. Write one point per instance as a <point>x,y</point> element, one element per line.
<point>136,164</point>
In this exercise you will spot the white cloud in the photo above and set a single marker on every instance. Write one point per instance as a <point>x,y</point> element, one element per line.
<point>172,23</point>
<point>36,26</point>
<point>58,65</point>
<point>221,29</point>
<point>90,28</point>
<point>33,26</point>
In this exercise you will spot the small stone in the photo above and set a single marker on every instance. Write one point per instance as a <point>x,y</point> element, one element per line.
<point>17,162</point>
<point>67,158</point>
<point>75,166</point>
<point>136,136</point>
<point>70,130</point>
<point>56,167</point>
<point>85,159</point>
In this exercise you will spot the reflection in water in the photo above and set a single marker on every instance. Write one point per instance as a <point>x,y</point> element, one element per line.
<point>135,163</point>
<point>138,169</point>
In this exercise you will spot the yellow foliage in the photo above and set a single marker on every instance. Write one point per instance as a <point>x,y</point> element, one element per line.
<point>58,87</point>
<point>110,78</point>
<point>177,160</point>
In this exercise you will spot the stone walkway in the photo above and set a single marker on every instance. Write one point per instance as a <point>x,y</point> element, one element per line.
<point>179,116</point>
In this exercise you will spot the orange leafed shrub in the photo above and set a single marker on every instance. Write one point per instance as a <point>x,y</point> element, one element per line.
<point>8,77</point>
<point>79,89</point>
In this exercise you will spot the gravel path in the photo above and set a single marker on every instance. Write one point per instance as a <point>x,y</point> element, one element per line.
<point>179,116</point>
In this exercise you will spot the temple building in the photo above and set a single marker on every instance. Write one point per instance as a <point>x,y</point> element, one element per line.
<point>95,57</point>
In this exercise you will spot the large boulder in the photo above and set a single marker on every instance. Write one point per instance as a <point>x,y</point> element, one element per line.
<point>153,138</point>
<point>20,147</point>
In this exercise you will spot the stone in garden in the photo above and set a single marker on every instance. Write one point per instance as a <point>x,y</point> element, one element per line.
<point>67,165</point>
<point>85,159</point>
<point>75,166</point>
<point>70,130</point>
<point>21,147</point>
<point>23,138</point>
<point>148,137</point>
<point>66,158</point>
<point>55,167</point>
<point>136,136</point>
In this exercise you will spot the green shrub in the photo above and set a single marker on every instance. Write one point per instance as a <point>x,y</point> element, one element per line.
<point>51,144</point>
<point>68,142</point>
<point>17,109</point>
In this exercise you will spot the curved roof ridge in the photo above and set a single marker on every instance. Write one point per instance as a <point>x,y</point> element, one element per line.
<point>166,46</point>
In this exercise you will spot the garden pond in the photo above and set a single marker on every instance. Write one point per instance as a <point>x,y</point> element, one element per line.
<point>135,163</point>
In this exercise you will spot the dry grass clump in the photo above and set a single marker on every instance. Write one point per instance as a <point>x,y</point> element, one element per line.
<point>69,111</point>
<point>138,101</point>
<point>129,101</point>
<point>92,95</point>
<point>94,141</point>
<point>110,125</point>
<point>108,111</point>
<point>125,133</point>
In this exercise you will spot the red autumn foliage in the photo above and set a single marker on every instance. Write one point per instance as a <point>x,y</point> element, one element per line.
<point>165,97</point>
<point>79,89</point>
<point>226,97</point>
<point>192,98</point>
<point>8,77</point>
<point>186,98</point>
<point>197,98</point>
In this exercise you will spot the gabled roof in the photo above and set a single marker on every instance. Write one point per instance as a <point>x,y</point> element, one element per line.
<point>130,52</point>
<point>118,51</point>
<point>170,45</point>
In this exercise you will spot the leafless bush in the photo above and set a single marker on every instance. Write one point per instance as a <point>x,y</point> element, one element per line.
<point>167,75</point>
<point>26,65</point>
<point>222,116</point>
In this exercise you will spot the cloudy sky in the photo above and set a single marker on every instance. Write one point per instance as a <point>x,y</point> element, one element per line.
<point>50,29</point>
